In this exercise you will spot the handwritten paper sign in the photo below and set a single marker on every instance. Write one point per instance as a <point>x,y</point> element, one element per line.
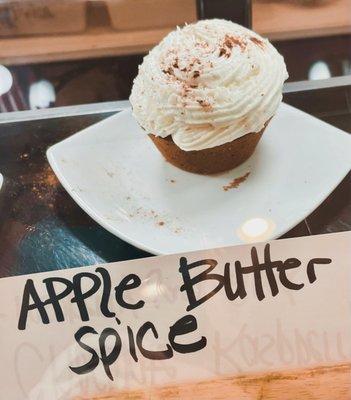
<point>178,319</point>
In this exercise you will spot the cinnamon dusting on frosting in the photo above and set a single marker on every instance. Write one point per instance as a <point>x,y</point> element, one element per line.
<point>228,44</point>
<point>257,41</point>
<point>168,71</point>
<point>186,72</point>
<point>205,104</point>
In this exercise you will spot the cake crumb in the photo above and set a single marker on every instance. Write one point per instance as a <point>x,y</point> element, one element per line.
<point>235,183</point>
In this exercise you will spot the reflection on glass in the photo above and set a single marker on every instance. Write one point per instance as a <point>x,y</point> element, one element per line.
<point>153,288</point>
<point>5,80</point>
<point>256,229</point>
<point>41,94</point>
<point>319,70</point>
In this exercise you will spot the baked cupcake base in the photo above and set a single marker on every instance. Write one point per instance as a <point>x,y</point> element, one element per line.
<point>212,160</point>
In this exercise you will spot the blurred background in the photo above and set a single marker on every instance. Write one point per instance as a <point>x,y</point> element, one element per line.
<point>72,52</point>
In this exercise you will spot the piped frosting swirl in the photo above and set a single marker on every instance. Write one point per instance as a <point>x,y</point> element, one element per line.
<point>207,84</point>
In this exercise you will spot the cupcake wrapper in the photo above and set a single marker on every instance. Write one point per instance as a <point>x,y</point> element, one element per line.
<point>212,160</point>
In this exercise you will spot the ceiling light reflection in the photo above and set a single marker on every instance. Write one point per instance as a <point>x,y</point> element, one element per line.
<point>319,70</point>
<point>41,94</point>
<point>256,229</point>
<point>153,289</point>
<point>6,80</point>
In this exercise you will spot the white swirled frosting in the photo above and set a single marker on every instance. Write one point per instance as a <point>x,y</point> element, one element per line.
<point>207,84</point>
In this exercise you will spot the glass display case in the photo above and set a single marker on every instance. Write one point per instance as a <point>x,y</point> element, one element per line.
<point>67,65</point>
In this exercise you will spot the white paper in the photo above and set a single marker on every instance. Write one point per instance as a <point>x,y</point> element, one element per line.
<point>293,329</point>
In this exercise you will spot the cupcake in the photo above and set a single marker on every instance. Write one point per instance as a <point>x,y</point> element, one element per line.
<point>206,93</point>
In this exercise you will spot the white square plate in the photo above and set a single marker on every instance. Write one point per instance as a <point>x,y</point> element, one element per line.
<point>114,172</point>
